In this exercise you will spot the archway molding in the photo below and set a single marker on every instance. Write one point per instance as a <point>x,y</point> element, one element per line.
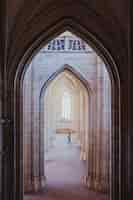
<point>115,84</point>
<point>15,101</point>
<point>90,92</point>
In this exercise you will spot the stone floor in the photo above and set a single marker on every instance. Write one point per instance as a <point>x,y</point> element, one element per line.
<point>64,172</point>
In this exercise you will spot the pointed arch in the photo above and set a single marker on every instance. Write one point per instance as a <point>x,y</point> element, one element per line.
<point>89,91</point>
<point>15,107</point>
<point>70,69</point>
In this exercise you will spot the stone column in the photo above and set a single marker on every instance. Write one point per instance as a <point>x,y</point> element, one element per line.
<point>84,124</point>
<point>99,128</point>
<point>44,123</point>
<point>102,133</point>
<point>99,147</point>
<point>82,128</point>
<point>33,149</point>
<point>92,142</point>
<point>37,139</point>
<point>92,129</point>
<point>27,84</point>
<point>107,128</point>
<point>50,118</point>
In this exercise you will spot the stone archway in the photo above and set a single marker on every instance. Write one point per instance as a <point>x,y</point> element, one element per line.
<point>116,113</point>
<point>95,178</point>
<point>89,101</point>
<point>35,180</point>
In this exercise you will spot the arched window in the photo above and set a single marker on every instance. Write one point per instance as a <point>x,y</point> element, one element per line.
<point>66,106</point>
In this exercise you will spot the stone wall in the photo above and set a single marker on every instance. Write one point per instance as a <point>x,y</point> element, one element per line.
<point>92,69</point>
<point>22,24</point>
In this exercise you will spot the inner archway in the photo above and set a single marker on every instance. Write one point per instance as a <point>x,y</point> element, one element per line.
<point>88,65</point>
<point>66,130</point>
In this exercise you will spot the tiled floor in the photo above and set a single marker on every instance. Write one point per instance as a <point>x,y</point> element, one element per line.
<point>64,171</point>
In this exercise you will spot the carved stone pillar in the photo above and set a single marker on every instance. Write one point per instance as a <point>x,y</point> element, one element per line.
<point>92,129</point>
<point>82,127</point>
<point>99,146</point>
<point>34,179</point>
<point>99,134</point>
<point>27,132</point>
<point>44,122</point>
<point>90,180</point>
<point>37,143</point>
<point>103,129</point>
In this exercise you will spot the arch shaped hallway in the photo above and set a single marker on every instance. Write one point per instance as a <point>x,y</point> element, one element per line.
<point>27,26</point>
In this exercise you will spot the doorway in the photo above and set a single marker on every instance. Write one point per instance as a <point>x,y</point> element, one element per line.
<point>84,64</point>
<point>64,136</point>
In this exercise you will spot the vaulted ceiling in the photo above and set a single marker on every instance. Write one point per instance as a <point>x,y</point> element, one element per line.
<point>115,10</point>
<point>24,25</point>
<point>22,20</point>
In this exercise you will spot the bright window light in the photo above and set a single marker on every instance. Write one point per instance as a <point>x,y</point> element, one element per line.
<point>66,106</point>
